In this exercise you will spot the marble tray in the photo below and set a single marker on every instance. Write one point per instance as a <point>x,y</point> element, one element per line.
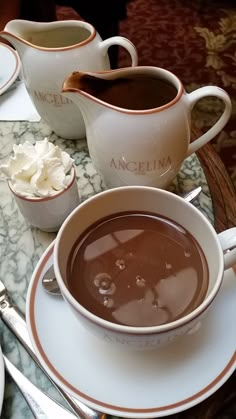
<point>21,246</point>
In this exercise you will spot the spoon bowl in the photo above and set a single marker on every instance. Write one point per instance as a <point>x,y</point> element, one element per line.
<point>50,283</point>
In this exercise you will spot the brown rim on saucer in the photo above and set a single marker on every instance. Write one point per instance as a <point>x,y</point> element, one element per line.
<point>17,65</point>
<point>157,409</point>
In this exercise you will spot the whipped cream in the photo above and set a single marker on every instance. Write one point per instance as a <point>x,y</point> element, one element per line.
<point>38,170</point>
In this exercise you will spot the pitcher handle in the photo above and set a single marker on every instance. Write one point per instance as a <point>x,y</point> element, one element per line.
<point>228,243</point>
<point>123,42</point>
<point>198,94</point>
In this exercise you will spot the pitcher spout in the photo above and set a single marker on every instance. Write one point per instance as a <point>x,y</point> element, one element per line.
<point>73,82</point>
<point>72,89</point>
<point>85,83</point>
<point>82,89</point>
<point>90,86</point>
<point>17,33</point>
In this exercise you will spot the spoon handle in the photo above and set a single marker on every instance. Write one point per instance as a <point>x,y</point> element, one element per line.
<point>41,405</point>
<point>14,320</point>
<point>192,195</point>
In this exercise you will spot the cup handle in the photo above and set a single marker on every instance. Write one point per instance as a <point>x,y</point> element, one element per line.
<point>123,42</point>
<point>228,243</point>
<point>198,94</point>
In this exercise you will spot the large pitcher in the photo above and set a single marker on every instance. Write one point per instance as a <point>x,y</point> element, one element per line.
<point>49,52</point>
<point>138,122</point>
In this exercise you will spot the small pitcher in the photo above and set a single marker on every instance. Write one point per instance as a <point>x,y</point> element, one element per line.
<point>138,122</point>
<point>50,51</point>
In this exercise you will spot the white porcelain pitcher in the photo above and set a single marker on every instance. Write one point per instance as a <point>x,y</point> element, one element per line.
<point>49,52</point>
<point>144,146</point>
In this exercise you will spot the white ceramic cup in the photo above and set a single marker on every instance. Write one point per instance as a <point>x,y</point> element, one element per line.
<point>48,213</point>
<point>161,202</point>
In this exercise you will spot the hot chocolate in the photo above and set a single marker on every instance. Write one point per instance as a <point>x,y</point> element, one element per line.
<point>137,269</point>
<point>138,92</point>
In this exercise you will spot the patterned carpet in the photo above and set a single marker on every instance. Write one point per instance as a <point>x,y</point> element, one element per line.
<point>196,40</point>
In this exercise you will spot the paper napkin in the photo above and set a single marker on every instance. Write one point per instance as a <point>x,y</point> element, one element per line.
<point>16,105</point>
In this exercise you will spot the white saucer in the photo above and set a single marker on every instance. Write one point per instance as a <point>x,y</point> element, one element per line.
<point>2,380</point>
<point>9,66</point>
<point>127,383</point>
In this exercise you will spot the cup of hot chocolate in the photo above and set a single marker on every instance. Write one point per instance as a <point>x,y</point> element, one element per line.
<point>140,266</point>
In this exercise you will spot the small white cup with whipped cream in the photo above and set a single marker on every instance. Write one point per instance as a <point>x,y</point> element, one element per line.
<point>42,179</point>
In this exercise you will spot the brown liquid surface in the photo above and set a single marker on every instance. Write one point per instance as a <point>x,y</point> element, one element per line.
<point>138,270</point>
<point>137,93</point>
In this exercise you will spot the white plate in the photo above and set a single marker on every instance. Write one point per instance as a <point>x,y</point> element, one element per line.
<point>127,383</point>
<point>9,66</point>
<point>2,380</point>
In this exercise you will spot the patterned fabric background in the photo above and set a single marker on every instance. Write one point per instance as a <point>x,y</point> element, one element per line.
<point>196,40</point>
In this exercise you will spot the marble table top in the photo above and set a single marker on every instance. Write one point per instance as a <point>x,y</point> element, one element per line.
<point>21,246</point>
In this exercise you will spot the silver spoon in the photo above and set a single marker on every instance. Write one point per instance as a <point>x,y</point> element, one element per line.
<point>49,281</point>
